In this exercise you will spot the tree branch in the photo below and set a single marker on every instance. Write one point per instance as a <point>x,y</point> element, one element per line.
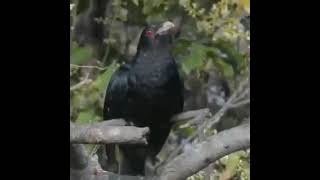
<point>107,133</point>
<point>84,167</point>
<point>78,157</point>
<point>113,122</point>
<point>206,152</point>
<point>80,84</point>
<point>192,160</point>
<point>240,103</point>
<point>190,115</point>
<point>209,122</point>
<point>89,67</point>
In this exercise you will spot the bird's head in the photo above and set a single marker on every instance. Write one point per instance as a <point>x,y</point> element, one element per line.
<point>155,36</point>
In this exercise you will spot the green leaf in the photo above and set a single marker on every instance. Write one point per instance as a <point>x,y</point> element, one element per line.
<point>231,162</point>
<point>187,131</point>
<point>233,57</point>
<point>181,46</point>
<point>136,2</point>
<point>183,3</point>
<point>147,7</point>
<point>224,67</point>
<point>86,117</point>
<point>157,3</point>
<point>80,55</point>
<point>195,60</point>
<point>151,7</point>
<point>246,5</point>
<point>102,81</point>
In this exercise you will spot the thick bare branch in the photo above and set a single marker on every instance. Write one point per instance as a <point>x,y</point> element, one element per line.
<point>104,133</point>
<point>93,171</point>
<point>206,152</point>
<point>113,122</point>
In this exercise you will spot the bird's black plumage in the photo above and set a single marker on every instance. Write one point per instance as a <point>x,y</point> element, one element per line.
<point>147,92</point>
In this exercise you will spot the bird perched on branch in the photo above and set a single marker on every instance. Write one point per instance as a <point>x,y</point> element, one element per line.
<point>146,92</point>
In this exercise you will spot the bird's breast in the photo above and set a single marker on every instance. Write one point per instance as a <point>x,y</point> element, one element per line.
<point>153,75</point>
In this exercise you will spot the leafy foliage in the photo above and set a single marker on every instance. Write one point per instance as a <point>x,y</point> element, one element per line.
<point>80,55</point>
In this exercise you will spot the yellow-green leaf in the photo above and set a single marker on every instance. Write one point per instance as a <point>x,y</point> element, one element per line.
<point>136,2</point>
<point>80,55</point>
<point>196,58</point>
<point>86,117</point>
<point>246,5</point>
<point>102,81</point>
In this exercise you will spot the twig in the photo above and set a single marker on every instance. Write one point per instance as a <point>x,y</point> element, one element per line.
<point>241,95</point>
<point>80,84</point>
<point>217,117</point>
<point>199,119</point>
<point>94,150</point>
<point>74,15</point>
<point>89,67</point>
<point>189,115</point>
<point>241,103</point>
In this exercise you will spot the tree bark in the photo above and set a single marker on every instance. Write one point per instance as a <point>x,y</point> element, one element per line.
<point>106,133</point>
<point>206,152</point>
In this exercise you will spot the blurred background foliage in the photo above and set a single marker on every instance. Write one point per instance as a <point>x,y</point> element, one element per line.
<point>213,52</point>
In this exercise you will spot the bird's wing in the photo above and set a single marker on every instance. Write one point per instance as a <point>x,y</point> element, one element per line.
<point>115,107</point>
<point>180,87</point>
<point>116,94</point>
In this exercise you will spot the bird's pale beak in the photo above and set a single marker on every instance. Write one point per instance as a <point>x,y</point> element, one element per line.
<point>165,28</point>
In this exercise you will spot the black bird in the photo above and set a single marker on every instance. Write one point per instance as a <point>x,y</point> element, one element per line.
<point>146,92</point>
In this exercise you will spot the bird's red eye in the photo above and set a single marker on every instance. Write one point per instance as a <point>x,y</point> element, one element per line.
<point>149,33</point>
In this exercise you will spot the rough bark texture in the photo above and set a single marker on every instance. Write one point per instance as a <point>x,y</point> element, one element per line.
<point>206,152</point>
<point>106,133</point>
<point>192,160</point>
